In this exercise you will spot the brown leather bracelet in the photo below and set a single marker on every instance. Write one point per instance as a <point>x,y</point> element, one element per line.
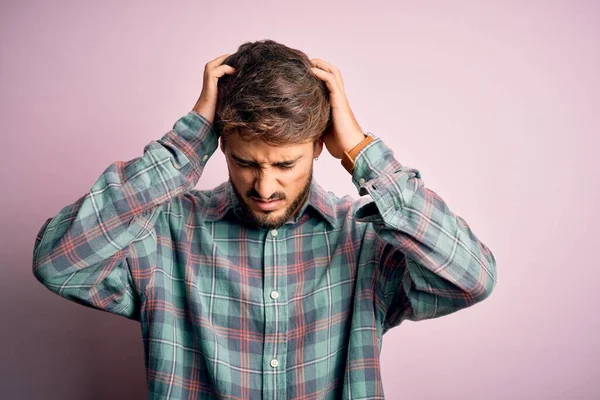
<point>349,156</point>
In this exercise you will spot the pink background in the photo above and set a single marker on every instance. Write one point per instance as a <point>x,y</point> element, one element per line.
<point>496,103</point>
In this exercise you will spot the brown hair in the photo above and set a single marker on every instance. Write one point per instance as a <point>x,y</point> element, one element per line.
<point>272,96</point>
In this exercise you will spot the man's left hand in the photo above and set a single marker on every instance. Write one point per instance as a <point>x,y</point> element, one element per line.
<point>344,132</point>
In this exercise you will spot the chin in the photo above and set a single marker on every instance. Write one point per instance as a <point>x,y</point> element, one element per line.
<point>269,215</point>
<point>270,219</point>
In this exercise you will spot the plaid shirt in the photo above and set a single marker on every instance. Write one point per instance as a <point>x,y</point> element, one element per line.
<point>231,312</point>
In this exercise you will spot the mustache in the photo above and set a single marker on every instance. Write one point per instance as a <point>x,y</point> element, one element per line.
<point>253,194</point>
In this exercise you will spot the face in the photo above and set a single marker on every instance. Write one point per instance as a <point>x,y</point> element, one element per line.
<point>270,182</point>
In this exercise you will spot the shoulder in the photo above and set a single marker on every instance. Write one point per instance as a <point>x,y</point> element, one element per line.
<point>207,203</point>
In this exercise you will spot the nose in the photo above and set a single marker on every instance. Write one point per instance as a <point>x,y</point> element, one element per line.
<point>265,185</point>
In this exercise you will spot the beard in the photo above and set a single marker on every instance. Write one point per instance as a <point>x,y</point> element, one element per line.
<point>262,220</point>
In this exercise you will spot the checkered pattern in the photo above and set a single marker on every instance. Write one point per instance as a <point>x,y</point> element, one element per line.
<point>232,312</point>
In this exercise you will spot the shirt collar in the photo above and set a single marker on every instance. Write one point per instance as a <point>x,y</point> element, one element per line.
<point>223,200</point>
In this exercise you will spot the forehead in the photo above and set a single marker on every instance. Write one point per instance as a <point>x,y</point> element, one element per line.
<point>262,152</point>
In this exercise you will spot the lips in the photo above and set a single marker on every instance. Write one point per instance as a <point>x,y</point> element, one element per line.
<point>267,205</point>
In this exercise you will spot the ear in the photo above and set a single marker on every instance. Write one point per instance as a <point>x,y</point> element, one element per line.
<point>318,147</point>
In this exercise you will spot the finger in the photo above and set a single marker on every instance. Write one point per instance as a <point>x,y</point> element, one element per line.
<point>217,61</point>
<point>317,62</point>
<point>217,72</point>
<point>329,79</point>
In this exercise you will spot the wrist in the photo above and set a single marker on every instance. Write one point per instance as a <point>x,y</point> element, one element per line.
<point>353,141</point>
<point>205,110</point>
<point>350,155</point>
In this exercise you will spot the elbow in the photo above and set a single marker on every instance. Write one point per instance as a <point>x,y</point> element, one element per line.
<point>51,270</point>
<point>43,274</point>
<point>45,270</point>
<point>39,253</point>
<point>487,281</point>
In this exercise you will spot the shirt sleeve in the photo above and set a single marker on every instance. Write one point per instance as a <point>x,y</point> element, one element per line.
<point>88,253</point>
<point>430,262</point>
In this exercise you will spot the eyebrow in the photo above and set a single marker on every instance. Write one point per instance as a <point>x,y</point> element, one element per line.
<point>253,163</point>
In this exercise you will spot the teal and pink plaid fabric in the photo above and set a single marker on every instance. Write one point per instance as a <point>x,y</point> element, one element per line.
<point>232,312</point>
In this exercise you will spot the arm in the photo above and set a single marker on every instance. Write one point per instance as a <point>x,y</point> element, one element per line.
<point>88,252</point>
<point>430,262</point>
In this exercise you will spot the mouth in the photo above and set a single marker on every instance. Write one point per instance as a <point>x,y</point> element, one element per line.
<point>267,205</point>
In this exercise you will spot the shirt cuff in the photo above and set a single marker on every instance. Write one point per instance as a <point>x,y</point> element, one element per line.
<point>194,135</point>
<point>379,174</point>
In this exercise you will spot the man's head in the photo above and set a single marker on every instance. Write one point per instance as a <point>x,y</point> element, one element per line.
<point>271,114</point>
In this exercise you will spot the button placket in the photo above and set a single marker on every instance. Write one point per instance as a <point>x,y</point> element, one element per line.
<point>276,313</point>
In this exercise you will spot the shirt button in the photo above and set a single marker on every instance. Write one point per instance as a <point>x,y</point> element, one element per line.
<point>361,181</point>
<point>274,363</point>
<point>274,294</point>
<point>205,158</point>
<point>274,232</point>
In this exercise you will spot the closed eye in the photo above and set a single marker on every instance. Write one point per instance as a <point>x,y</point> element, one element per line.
<point>286,166</point>
<point>282,166</point>
<point>243,165</point>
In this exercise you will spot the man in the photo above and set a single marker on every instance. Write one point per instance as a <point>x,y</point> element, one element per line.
<point>267,286</point>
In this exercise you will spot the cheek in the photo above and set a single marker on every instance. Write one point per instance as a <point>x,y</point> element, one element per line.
<point>295,181</point>
<point>242,179</point>
<point>242,175</point>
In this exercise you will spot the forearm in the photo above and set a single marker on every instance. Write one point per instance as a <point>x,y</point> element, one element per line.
<point>81,253</point>
<point>448,267</point>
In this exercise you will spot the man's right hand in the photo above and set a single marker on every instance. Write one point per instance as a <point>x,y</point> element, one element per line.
<point>207,102</point>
